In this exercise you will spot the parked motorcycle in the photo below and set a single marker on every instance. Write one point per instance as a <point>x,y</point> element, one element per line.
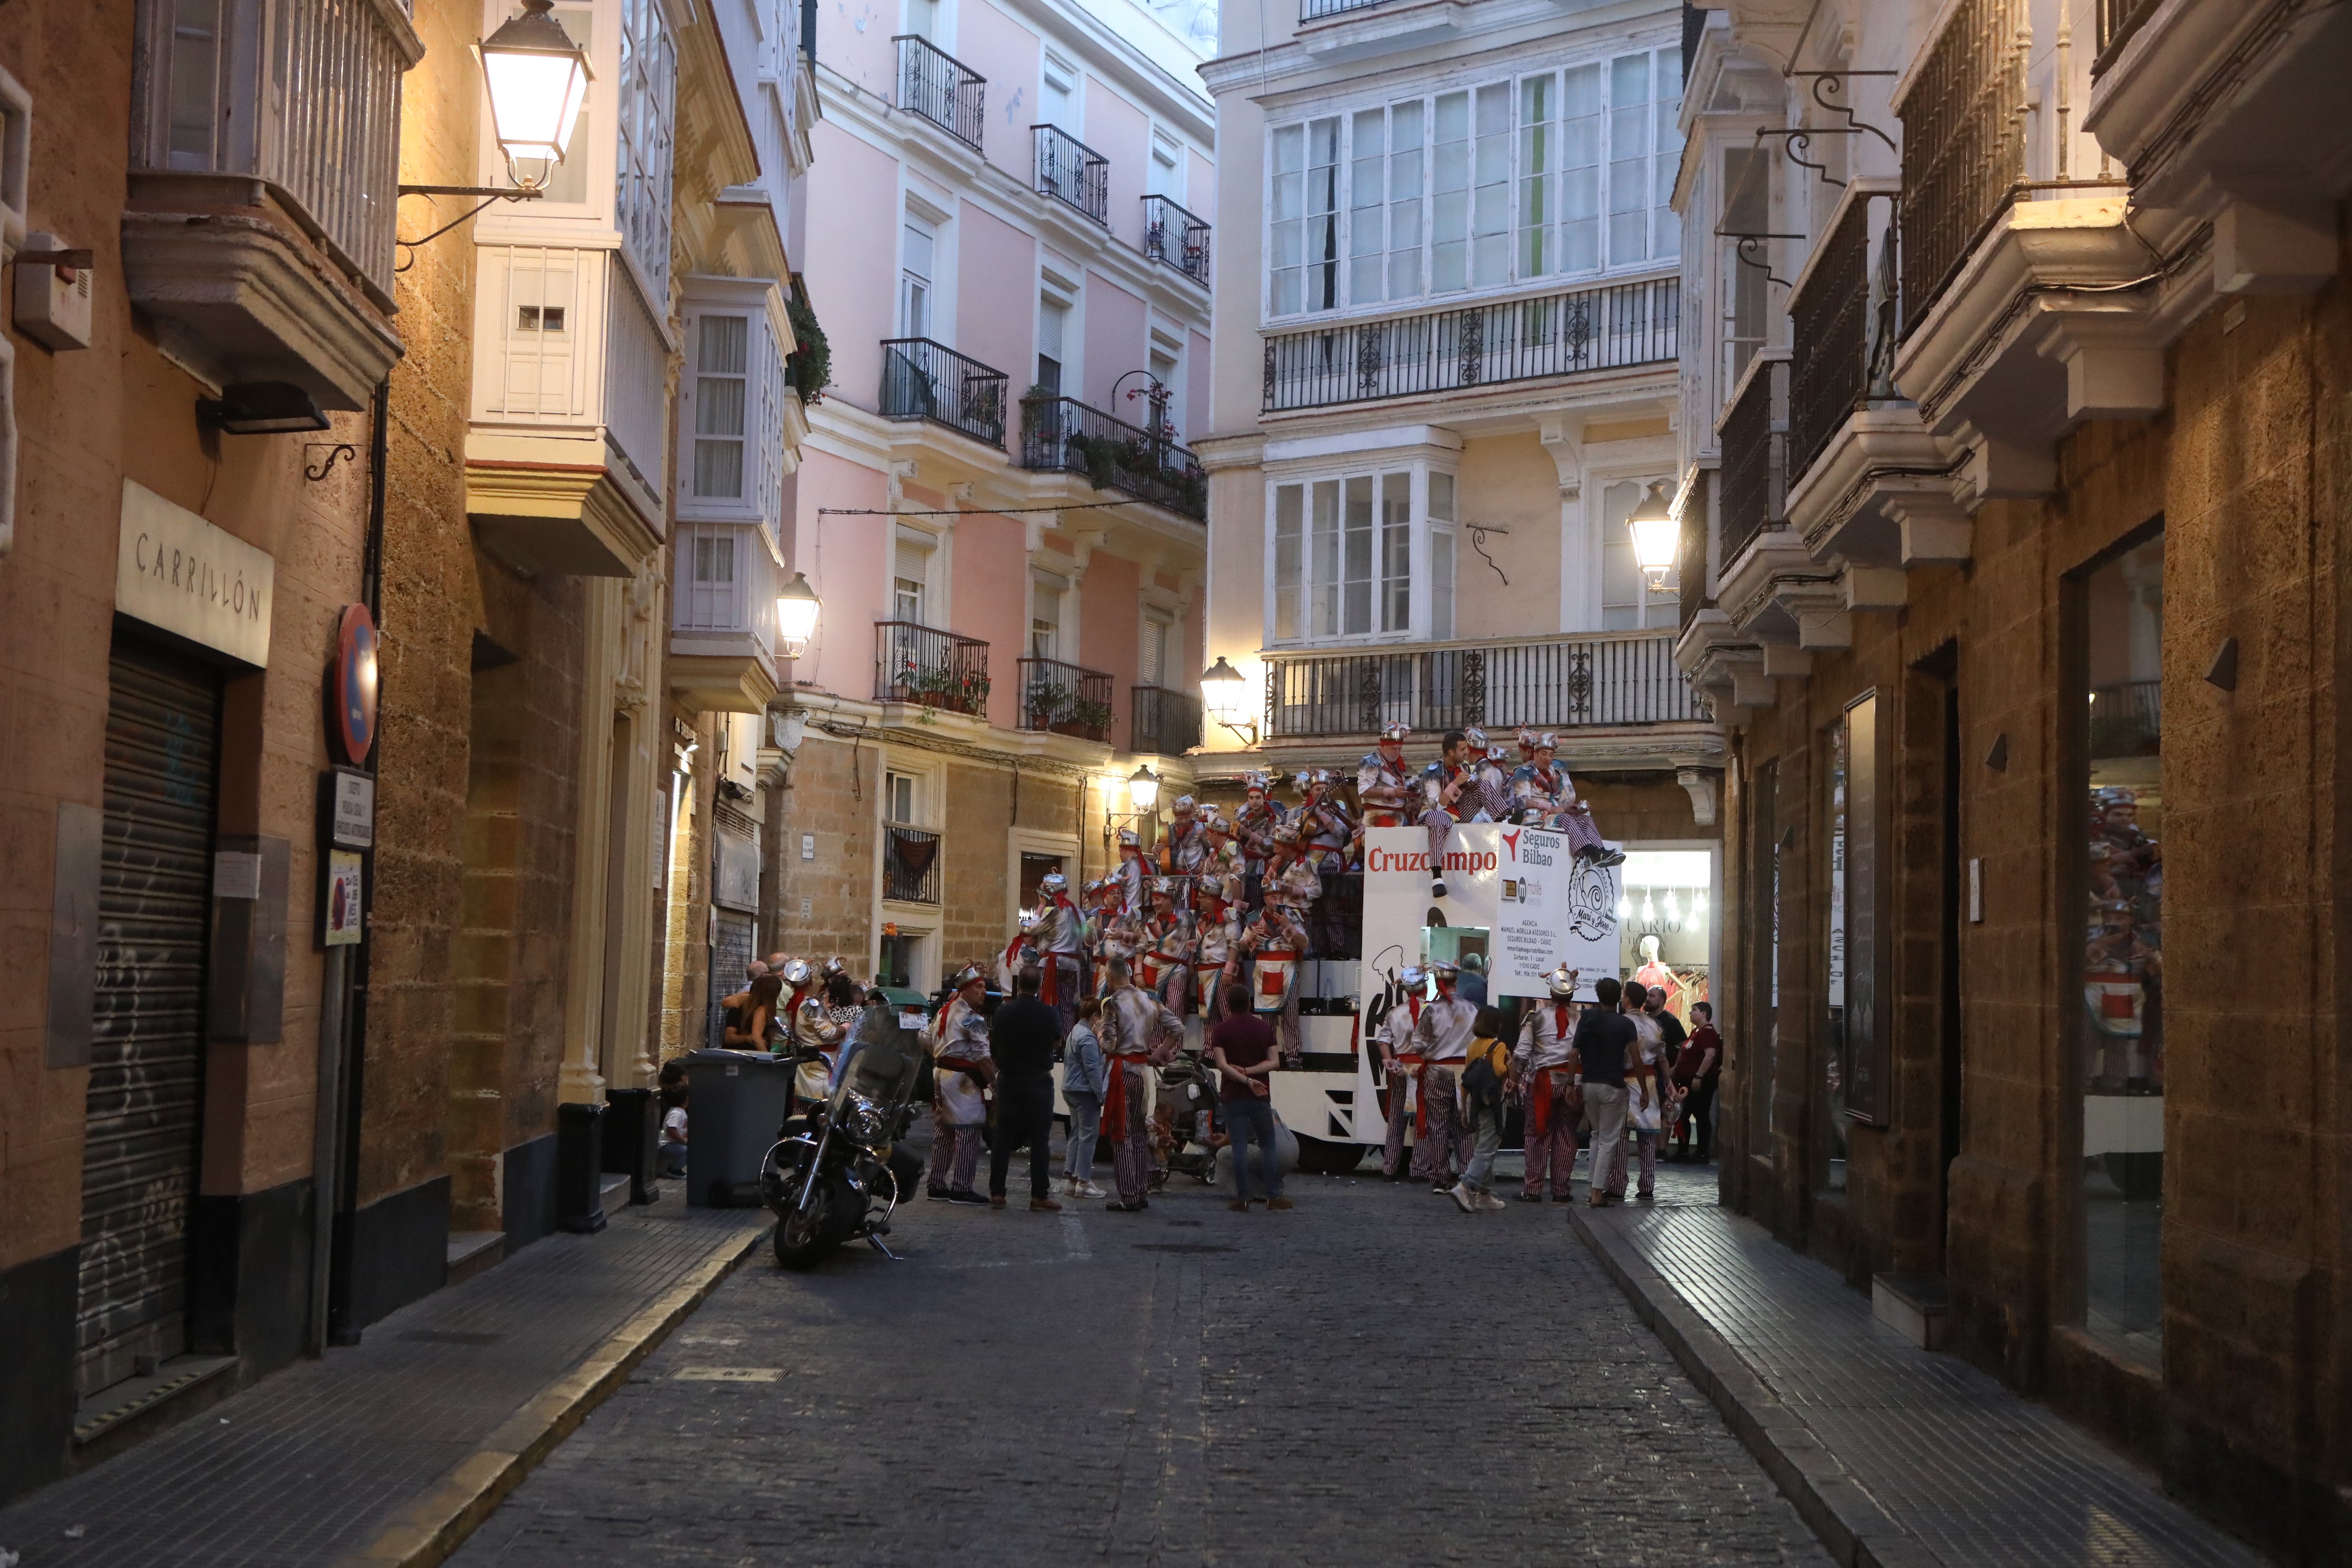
<point>1188,1089</point>
<point>837,1172</point>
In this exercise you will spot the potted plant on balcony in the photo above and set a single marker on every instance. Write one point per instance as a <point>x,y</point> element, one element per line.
<point>1087,714</point>
<point>1048,704</point>
<point>810,365</point>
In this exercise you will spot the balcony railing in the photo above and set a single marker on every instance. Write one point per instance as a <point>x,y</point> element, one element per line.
<point>2118,20</point>
<point>1061,435</point>
<point>1479,345</point>
<point>924,380</point>
<point>1315,10</point>
<point>1690,554</point>
<point>910,864</point>
<point>1175,237</point>
<point>921,664</point>
<point>1963,144</point>
<point>1165,723</point>
<point>1555,683</point>
<point>1070,171</point>
<point>1755,440</point>
<point>940,88</point>
<point>1827,375</point>
<point>1065,699</point>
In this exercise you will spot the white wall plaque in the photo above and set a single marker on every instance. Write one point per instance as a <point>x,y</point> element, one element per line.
<point>178,571</point>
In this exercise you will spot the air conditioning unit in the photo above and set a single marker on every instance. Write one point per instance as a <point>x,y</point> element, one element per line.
<point>53,289</point>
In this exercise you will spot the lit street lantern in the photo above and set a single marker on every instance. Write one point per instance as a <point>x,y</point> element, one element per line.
<point>1143,789</point>
<point>796,612</point>
<point>1654,529</point>
<point>539,80</point>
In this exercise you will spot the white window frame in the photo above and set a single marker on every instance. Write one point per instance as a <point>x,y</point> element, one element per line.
<point>1065,292</point>
<point>1376,276</point>
<point>644,116</point>
<point>1384,578</point>
<point>1657,609</point>
<point>1054,66</point>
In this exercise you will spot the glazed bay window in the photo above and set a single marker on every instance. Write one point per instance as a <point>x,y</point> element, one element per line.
<point>731,424</point>
<point>648,83</point>
<point>1344,551</point>
<point>1560,173</point>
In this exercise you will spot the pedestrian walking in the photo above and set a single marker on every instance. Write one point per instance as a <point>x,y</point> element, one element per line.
<point>1401,1064</point>
<point>1646,1094</point>
<point>1136,1040</point>
<point>1022,1040</point>
<point>1242,1049</point>
<point>1695,1071</point>
<point>1604,1044</point>
<point>961,1071</point>
<point>1486,1065</point>
<point>1548,1084</point>
<point>1441,1039</point>
<point>1084,1079</point>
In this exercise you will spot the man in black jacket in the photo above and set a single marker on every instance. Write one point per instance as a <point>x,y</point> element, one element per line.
<point>1023,1039</point>
<point>1604,1044</point>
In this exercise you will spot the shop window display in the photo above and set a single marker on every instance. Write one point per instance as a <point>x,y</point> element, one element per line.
<point>1662,914</point>
<point>2123,960</point>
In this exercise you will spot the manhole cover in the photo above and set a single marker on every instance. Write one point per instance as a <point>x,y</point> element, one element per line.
<point>1182,1246</point>
<point>450,1337</point>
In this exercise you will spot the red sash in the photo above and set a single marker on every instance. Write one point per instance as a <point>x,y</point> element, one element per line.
<point>1049,990</point>
<point>1540,1105</point>
<point>1115,1113</point>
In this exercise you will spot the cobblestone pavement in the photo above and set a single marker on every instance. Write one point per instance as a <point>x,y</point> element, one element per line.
<point>1373,1378</point>
<point>1963,1467</point>
<point>306,1465</point>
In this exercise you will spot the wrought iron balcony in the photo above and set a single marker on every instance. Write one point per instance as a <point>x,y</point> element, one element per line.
<point>1070,171</point>
<point>1175,237</point>
<point>924,380</point>
<point>1963,144</point>
<point>910,864</point>
<point>1315,10</point>
<point>940,88</point>
<point>914,663</point>
<point>1061,435</point>
<point>2118,20</point>
<point>1165,723</point>
<point>1551,684</point>
<point>1606,327</point>
<point>1827,371</point>
<point>1067,699</point>
<point>1755,444</point>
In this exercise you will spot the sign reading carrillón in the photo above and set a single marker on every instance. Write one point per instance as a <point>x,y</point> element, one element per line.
<point>180,572</point>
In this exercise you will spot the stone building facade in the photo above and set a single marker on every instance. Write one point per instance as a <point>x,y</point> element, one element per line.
<point>235,1140</point>
<point>2010,546</point>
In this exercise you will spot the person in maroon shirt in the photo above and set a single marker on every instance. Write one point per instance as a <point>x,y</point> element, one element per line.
<point>1241,1048</point>
<point>1695,1074</point>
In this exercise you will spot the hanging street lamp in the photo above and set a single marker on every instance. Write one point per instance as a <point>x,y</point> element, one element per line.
<point>539,80</point>
<point>1654,530</point>
<point>796,613</point>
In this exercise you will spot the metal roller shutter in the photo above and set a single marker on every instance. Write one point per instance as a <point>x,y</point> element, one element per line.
<point>730,955</point>
<point>139,1164</point>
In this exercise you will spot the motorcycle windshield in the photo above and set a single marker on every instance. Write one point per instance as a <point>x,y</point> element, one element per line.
<point>876,1062</point>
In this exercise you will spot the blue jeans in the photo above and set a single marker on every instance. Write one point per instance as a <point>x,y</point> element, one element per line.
<point>1247,1121</point>
<point>673,1160</point>
<point>1085,1123</point>
<point>1486,1133</point>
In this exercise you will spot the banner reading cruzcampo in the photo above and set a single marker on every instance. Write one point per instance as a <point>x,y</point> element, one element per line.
<point>1540,906</point>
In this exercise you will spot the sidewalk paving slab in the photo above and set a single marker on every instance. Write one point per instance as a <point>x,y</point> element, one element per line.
<point>1897,1456</point>
<point>386,1453</point>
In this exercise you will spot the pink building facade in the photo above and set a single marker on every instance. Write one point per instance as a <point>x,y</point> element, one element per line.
<point>997,502</point>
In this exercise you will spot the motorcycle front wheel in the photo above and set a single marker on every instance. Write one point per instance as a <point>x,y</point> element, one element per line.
<point>801,1237</point>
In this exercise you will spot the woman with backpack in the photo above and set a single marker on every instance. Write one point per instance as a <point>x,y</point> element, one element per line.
<point>1480,1085</point>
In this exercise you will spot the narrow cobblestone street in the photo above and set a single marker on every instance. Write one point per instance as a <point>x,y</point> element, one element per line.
<point>1372,1378</point>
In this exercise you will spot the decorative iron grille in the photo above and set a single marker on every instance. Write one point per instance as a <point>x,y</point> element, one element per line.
<point>1753,436</point>
<point>1829,321</point>
<point>1963,144</point>
<point>1061,435</point>
<point>1691,550</point>
<point>1164,723</point>
<point>1315,10</point>
<point>1067,699</point>
<point>910,864</point>
<point>940,88</point>
<point>1478,345</point>
<point>1557,683</point>
<point>1173,236</point>
<point>914,663</point>
<point>924,380</point>
<point>1070,171</point>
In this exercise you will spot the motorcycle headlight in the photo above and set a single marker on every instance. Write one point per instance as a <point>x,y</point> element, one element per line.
<point>864,1120</point>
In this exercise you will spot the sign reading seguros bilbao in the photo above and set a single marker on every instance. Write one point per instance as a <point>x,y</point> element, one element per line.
<point>1540,906</point>
<point>178,571</point>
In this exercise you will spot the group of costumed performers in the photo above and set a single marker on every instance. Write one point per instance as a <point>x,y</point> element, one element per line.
<point>1226,900</point>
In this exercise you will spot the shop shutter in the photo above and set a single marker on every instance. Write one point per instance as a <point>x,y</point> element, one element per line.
<point>730,955</point>
<point>139,1164</point>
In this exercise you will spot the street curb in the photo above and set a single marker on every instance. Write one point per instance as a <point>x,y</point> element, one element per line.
<point>1837,1507</point>
<point>424,1534</point>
